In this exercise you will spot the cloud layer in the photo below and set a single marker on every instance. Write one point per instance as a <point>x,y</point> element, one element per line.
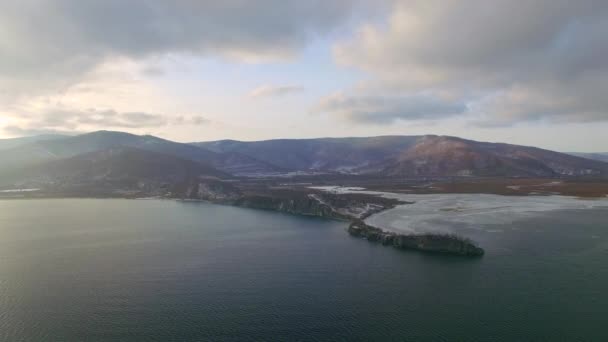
<point>48,44</point>
<point>491,63</point>
<point>62,120</point>
<point>388,109</point>
<point>512,61</point>
<point>59,58</point>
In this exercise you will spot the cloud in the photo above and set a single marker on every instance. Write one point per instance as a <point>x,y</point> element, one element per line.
<point>266,91</point>
<point>511,61</point>
<point>71,120</point>
<point>50,44</point>
<point>196,120</point>
<point>153,71</point>
<point>101,118</point>
<point>199,120</point>
<point>388,109</point>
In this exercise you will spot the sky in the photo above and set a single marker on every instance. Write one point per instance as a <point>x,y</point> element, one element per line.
<point>531,73</point>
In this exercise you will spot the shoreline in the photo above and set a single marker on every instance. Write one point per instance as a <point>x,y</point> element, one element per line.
<point>345,204</point>
<point>317,205</point>
<point>349,204</point>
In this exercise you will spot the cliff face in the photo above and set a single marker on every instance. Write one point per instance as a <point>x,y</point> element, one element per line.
<point>340,207</point>
<point>214,191</point>
<point>298,205</point>
<point>436,243</point>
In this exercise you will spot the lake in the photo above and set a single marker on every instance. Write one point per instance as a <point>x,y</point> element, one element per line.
<point>155,270</point>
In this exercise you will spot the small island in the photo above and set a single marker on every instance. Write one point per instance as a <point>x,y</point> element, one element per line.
<point>428,242</point>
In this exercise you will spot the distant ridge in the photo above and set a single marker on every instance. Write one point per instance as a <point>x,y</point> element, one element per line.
<point>428,155</point>
<point>385,156</point>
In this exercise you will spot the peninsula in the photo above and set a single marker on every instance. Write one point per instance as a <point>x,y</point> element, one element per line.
<point>279,175</point>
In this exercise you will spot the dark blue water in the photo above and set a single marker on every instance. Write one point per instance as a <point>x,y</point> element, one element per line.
<point>104,270</point>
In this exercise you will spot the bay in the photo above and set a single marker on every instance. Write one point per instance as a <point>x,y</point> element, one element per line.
<point>154,270</point>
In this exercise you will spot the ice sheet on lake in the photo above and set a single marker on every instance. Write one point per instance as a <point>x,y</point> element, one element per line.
<point>449,212</point>
<point>445,212</point>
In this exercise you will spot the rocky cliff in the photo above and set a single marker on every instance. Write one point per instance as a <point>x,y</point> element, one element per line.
<point>298,205</point>
<point>340,207</point>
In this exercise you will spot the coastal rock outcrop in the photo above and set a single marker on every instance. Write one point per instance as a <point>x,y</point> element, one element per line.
<point>345,207</point>
<point>429,242</point>
<point>214,191</point>
<point>299,205</point>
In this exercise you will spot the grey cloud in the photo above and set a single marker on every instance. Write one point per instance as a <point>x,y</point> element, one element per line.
<point>534,60</point>
<point>274,91</point>
<point>199,120</point>
<point>388,109</point>
<point>486,38</point>
<point>51,43</point>
<point>581,101</point>
<point>140,119</point>
<point>153,71</point>
<point>196,120</point>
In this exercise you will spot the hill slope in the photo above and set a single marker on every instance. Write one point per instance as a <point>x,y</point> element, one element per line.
<point>114,168</point>
<point>443,156</point>
<point>359,155</point>
<point>6,144</point>
<point>56,149</point>
<point>38,151</point>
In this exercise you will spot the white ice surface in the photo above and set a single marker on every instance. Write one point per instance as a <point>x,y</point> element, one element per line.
<point>447,212</point>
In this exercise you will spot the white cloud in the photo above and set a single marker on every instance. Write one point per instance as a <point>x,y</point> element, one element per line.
<point>265,91</point>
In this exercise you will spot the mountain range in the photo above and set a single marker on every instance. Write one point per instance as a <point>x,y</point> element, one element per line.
<point>428,155</point>
<point>116,158</point>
